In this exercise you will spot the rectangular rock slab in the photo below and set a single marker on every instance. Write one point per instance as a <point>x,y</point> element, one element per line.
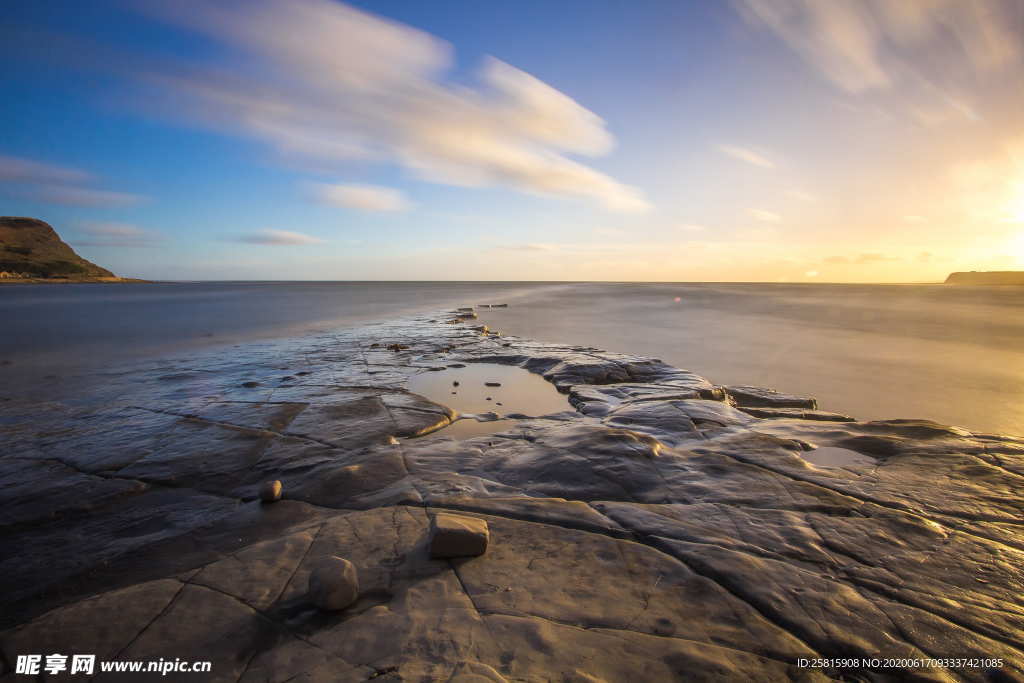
<point>457,536</point>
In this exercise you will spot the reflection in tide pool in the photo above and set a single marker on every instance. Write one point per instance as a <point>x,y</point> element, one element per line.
<point>832,456</point>
<point>465,389</point>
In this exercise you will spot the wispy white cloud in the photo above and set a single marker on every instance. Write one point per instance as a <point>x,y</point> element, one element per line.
<point>529,247</point>
<point>54,184</point>
<point>16,170</point>
<point>335,83</point>
<point>861,259</point>
<point>863,44</point>
<point>109,234</point>
<point>764,216</point>
<point>935,52</point>
<point>751,156</point>
<point>279,238</point>
<point>362,197</point>
<point>85,197</point>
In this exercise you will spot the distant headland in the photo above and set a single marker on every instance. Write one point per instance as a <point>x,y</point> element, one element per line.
<point>32,251</point>
<point>992,277</point>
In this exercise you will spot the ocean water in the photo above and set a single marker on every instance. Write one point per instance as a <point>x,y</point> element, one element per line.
<point>951,354</point>
<point>946,353</point>
<point>71,328</point>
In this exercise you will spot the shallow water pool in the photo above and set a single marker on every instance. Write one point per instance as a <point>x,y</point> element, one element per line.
<point>465,389</point>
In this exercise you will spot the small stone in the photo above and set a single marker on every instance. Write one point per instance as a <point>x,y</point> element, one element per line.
<point>488,398</point>
<point>270,492</point>
<point>455,383</point>
<point>333,584</point>
<point>492,384</point>
<point>457,536</point>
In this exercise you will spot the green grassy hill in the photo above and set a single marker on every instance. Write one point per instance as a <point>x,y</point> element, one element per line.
<point>30,248</point>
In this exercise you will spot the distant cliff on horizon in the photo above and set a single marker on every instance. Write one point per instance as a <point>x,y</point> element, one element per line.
<point>991,277</point>
<point>31,250</point>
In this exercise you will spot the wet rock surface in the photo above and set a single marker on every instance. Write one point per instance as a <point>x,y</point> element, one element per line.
<point>665,529</point>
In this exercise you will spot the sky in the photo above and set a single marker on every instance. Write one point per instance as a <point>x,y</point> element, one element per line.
<point>753,140</point>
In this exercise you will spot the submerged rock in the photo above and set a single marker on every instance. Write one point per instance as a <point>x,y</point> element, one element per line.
<point>457,536</point>
<point>745,396</point>
<point>333,584</point>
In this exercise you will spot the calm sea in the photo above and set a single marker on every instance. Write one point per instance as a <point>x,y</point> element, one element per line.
<point>952,354</point>
<point>946,353</point>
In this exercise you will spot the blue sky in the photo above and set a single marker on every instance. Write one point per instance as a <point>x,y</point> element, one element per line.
<point>777,140</point>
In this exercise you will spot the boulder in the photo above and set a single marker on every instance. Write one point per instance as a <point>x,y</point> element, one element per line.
<point>333,584</point>
<point>270,492</point>
<point>457,536</point>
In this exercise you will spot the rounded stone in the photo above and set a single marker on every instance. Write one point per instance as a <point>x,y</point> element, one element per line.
<point>333,584</point>
<point>270,492</point>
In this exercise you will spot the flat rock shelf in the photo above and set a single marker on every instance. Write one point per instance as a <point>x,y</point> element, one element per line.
<point>655,527</point>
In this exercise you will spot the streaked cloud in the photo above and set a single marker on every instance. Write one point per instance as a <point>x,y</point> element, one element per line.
<point>861,259</point>
<point>691,227</point>
<point>529,247</point>
<point>321,80</point>
<point>802,196</point>
<point>84,197</point>
<point>109,234</point>
<point>867,44</point>
<point>279,238</point>
<point>875,258</point>
<point>362,197</point>
<point>751,156</point>
<point>15,170</point>
<point>765,216</point>
<point>54,184</point>
<point>934,61</point>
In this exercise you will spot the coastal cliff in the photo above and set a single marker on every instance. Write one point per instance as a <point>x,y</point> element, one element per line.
<point>992,277</point>
<point>31,250</point>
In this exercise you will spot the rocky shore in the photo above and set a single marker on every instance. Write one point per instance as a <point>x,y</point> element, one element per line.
<point>666,528</point>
